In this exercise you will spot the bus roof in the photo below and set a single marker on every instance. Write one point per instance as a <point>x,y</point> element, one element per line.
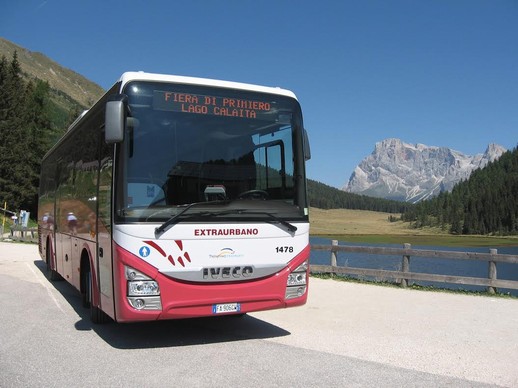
<point>143,76</point>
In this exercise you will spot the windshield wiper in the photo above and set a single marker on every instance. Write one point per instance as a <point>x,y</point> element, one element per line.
<point>162,228</point>
<point>174,219</point>
<point>291,228</point>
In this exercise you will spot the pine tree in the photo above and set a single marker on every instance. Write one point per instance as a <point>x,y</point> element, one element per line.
<point>486,203</point>
<point>38,134</point>
<point>12,139</point>
<point>24,134</point>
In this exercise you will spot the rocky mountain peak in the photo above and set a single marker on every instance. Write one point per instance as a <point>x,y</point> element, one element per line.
<point>402,171</point>
<point>494,151</point>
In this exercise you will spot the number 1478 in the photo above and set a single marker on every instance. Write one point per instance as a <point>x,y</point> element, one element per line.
<point>285,249</point>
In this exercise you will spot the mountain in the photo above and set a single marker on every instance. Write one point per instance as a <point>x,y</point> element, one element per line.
<point>69,91</point>
<point>402,171</point>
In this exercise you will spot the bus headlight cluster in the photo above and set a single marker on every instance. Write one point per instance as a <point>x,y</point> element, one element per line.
<point>143,292</point>
<point>143,288</point>
<point>297,281</point>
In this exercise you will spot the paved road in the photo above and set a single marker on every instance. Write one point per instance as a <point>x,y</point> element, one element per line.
<point>347,335</point>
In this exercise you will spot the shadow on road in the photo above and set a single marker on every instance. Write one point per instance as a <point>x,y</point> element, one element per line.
<point>168,333</point>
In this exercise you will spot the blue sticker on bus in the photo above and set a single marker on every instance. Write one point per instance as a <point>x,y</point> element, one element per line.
<point>144,251</point>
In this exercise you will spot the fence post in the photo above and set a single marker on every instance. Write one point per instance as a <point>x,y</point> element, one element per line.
<point>492,271</point>
<point>334,243</point>
<point>405,266</point>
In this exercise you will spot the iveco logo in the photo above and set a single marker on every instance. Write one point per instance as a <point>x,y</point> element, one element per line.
<point>227,272</point>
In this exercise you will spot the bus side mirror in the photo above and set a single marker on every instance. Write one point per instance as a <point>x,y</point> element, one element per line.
<point>114,122</point>
<point>307,148</point>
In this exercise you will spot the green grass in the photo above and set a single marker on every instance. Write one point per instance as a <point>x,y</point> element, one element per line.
<point>360,226</point>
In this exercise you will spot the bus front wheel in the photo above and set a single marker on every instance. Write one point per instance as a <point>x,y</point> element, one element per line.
<point>97,316</point>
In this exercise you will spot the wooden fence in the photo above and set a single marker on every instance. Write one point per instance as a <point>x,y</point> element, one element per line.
<point>19,233</point>
<point>404,275</point>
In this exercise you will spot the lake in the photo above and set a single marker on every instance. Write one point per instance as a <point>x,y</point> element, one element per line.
<point>421,264</point>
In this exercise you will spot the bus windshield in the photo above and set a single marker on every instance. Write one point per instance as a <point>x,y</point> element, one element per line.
<point>188,144</point>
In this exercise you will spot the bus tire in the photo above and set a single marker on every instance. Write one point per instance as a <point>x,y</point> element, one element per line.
<point>97,316</point>
<point>85,289</point>
<point>52,275</point>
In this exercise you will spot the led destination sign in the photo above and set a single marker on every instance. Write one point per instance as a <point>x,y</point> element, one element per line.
<point>211,105</point>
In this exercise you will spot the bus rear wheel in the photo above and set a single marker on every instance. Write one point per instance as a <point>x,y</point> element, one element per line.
<point>52,275</point>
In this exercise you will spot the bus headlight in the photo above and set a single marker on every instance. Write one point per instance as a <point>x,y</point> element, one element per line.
<point>143,292</point>
<point>140,284</point>
<point>297,281</point>
<point>143,288</point>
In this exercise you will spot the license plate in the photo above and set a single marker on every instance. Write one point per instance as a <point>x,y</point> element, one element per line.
<point>226,308</point>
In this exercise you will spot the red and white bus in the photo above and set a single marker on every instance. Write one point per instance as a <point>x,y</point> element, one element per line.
<point>178,197</point>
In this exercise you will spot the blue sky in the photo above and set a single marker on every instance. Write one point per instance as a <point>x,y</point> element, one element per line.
<point>442,73</point>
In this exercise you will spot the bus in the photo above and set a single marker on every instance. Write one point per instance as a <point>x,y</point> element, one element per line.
<point>179,197</point>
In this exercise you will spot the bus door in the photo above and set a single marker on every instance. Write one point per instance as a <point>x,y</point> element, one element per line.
<point>104,231</point>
